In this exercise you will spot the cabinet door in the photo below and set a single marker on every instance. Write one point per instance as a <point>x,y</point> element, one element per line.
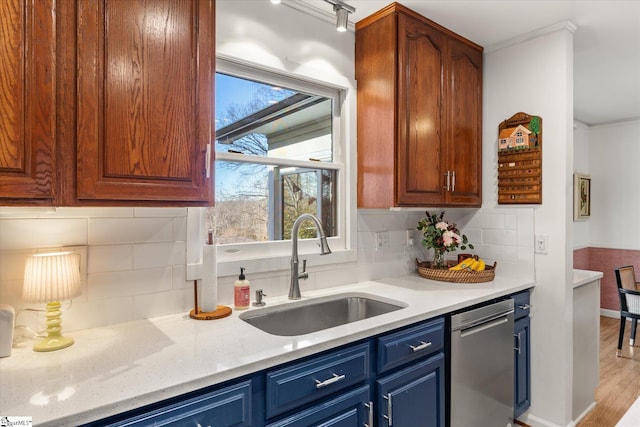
<point>522,376</point>
<point>421,59</point>
<point>145,99</point>
<point>27,100</point>
<point>414,396</point>
<point>464,125</point>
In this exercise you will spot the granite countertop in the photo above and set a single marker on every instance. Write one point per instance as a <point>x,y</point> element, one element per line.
<point>121,367</point>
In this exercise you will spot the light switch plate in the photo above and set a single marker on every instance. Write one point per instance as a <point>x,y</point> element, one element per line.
<point>542,244</point>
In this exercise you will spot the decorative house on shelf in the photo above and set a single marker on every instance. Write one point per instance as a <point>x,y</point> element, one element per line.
<point>514,138</point>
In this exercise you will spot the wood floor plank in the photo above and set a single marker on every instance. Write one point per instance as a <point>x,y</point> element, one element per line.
<point>619,377</point>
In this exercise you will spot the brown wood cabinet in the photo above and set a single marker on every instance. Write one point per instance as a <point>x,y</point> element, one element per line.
<point>419,113</point>
<point>27,101</point>
<point>131,89</point>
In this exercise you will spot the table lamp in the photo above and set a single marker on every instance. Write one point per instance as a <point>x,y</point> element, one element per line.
<point>51,278</point>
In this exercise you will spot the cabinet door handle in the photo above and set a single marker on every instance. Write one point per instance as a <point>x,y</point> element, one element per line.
<point>448,180</point>
<point>518,346</point>
<point>207,166</point>
<point>369,406</point>
<point>389,416</point>
<point>453,181</point>
<point>422,346</point>
<point>525,306</point>
<point>334,379</point>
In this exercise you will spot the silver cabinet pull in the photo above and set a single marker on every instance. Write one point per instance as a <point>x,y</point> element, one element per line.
<point>525,306</point>
<point>334,379</point>
<point>422,346</point>
<point>389,416</point>
<point>448,180</point>
<point>518,346</point>
<point>453,181</point>
<point>369,406</point>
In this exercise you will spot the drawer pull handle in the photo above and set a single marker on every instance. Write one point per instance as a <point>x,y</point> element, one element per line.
<point>389,416</point>
<point>369,406</point>
<point>334,379</point>
<point>422,346</point>
<point>525,306</point>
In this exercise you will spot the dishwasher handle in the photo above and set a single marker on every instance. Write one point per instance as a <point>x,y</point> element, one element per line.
<point>487,324</point>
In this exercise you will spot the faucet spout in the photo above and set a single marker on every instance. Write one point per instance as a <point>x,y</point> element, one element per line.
<point>294,288</point>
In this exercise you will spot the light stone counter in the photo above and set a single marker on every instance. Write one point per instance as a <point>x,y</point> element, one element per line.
<point>121,367</point>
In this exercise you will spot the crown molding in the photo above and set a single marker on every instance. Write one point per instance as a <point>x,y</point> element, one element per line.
<point>560,26</point>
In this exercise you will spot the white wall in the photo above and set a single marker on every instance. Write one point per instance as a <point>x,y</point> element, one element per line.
<point>534,75</point>
<point>614,165</point>
<point>581,150</point>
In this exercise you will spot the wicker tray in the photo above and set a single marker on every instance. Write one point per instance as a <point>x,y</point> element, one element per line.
<point>456,276</point>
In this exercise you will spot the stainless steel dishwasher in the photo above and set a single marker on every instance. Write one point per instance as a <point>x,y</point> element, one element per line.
<point>482,366</point>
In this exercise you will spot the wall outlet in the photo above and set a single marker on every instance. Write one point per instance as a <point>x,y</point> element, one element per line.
<point>542,244</point>
<point>382,240</point>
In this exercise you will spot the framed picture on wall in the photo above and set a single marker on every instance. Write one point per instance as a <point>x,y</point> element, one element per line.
<point>581,196</point>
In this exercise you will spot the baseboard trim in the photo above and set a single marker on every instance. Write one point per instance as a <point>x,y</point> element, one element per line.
<point>584,414</point>
<point>609,313</point>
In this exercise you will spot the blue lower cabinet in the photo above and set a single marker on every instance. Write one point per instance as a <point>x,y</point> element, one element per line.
<point>301,383</point>
<point>522,391</point>
<point>350,409</point>
<point>226,407</point>
<point>414,396</point>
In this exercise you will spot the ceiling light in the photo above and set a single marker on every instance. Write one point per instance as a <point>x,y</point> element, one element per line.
<point>342,11</point>
<point>342,18</point>
<point>276,1</point>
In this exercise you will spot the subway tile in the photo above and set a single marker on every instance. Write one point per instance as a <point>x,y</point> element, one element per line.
<point>110,258</point>
<point>106,212</point>
<point>110,231</point>
<point>500,237</point>
<point>128,283</point>
<point>178,277</point>
<point>149,255</point>
<point>180,228</point>
<point>162,303</point>
<point>42,233</point>
<point>160,212</point>
<point>97,313</point>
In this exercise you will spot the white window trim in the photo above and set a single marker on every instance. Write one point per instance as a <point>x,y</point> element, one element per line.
<point>271,256</point>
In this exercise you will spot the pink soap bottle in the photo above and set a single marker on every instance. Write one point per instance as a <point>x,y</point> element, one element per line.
<point>241,289</point>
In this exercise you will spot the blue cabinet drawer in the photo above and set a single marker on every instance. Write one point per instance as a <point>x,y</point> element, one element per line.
<point>410,344</point>
<point>350,409</point>
<point>521,304</point>
<point>229,406</point>
<point>304,382</point>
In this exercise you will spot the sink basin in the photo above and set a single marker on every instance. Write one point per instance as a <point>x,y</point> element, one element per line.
<point>319,313</point>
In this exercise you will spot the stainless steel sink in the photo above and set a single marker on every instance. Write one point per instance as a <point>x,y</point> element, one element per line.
<point>319,313</point>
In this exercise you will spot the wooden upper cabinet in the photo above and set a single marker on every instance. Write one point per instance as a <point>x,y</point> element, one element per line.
<point>27,102</point>
<point>145,97</point>
<point>419,113</point>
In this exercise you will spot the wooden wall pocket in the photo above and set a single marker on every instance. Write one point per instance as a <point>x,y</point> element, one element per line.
<point>520,160</point>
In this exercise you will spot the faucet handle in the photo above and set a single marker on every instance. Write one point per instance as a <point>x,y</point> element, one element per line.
<point>304,274</point>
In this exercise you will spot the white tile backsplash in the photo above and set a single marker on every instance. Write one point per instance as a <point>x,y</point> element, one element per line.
<point>137,257</point>
<point>107,231</point>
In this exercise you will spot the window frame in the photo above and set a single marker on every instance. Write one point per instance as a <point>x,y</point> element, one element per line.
<point>231,257</point>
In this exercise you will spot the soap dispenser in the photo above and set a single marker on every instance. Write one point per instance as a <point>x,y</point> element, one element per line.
<point>241,289</point>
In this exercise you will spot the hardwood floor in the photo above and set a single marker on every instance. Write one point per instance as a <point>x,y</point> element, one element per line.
<point>619,376</point>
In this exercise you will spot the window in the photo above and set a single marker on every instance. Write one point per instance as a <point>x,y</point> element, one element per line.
<point>277,157</point>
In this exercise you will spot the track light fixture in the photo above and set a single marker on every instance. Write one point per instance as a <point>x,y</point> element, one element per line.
<point>342,11</point>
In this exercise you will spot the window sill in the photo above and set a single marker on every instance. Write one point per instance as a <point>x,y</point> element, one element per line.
<point>230,267</point>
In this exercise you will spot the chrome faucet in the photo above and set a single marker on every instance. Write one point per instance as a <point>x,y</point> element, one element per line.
<point>294,289</point>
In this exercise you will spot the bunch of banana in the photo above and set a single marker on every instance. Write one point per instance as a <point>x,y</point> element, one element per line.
<point>474,263</point>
